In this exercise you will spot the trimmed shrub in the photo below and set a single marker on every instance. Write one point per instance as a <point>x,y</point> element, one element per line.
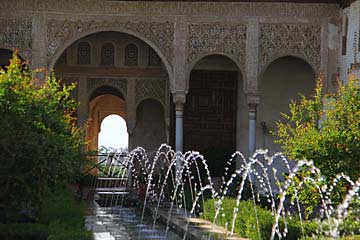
<point>247,225</point>
<point>72,236</point>
<point>65,217</point>
<point>60,205</point>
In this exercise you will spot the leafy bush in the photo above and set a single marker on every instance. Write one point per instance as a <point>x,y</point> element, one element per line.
<point>351,224</point>
<point>39,141</point>
<point>246,224</point>
<point>325,129</point>
<point>23,231</point>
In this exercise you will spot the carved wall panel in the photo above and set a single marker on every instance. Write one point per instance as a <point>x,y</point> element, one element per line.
<point>16,33</point>
<point>154,59</point>
<point>118,83</point>
<point>205,38</point>
<point>159,33</point>
<point>151,88</point>
<point>301,40</point>
<point>131,55</point>
<point>107,54</point>
<point>83,53</point>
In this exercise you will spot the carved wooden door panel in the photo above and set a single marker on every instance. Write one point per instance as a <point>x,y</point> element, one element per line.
<point>210,111</point>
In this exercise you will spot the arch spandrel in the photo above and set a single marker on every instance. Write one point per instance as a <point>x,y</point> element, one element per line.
<point>16,34</point>
<point>156,89</point>
<point>226,39</point>
<point>301,40</point>
<point>158,35</point>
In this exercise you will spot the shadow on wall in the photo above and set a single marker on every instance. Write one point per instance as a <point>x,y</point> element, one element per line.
<point>149,131</point>
<point>284,80</point>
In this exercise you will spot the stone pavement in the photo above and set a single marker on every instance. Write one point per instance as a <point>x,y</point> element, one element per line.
<point>115,223</point>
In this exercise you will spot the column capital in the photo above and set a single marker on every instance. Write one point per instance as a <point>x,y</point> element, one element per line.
<point>252,98</point>
<point>179,99</point>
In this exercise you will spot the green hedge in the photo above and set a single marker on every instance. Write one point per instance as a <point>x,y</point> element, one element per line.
<point>23,231</point>
<point>72,236</point>
<point>246,223</point>
<point>61,204</point>
<point>64,216</point>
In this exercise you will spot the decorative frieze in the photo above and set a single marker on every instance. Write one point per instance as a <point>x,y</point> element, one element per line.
<point>166,8</point>
<point>16,33</point>
<point>301,40</point>
<point>160,34</point>
<point>226,38</point>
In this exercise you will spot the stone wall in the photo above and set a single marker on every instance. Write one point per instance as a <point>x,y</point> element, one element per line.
<point>350,37</point>
<point>252,35</point>
<point>209,28</point>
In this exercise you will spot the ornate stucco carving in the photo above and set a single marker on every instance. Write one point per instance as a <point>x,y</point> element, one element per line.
<point>119,83</point>
<point>160,34</point>
<point>207,38</point>
<point>151,8</point>
<point>151,88</point>
<point>301,40</point>
<point>16,33</point>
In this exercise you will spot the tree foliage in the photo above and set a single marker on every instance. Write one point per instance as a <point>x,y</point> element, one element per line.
<point>325,129</point>
<point>40,145</point>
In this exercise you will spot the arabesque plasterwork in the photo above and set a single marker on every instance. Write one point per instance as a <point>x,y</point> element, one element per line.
<point>16,34</point>
<point>300,40</point>
<point>219,38</point>
<point>151,88</point>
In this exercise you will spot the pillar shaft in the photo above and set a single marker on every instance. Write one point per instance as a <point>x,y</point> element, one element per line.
<point>252,100</point>
<point>179,100</point>
<point>179,133</point>
<point>252,130</point>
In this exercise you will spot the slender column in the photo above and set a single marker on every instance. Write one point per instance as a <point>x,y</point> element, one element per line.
<point>179,116</point>
<point>252,101</point>
<point>179,100</point>
<point>252,129</point>
<point>251,84</point>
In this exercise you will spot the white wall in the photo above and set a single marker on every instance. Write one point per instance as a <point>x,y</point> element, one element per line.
<point>353,38</point>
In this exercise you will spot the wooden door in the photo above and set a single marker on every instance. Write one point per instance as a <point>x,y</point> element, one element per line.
<point>210,111</point>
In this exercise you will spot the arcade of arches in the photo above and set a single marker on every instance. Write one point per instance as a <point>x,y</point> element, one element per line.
<point>117,73</point>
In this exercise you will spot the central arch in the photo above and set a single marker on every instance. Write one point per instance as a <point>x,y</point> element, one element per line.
<point>215,109</point>
<point>78,35</point>
<point>114,73</point>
